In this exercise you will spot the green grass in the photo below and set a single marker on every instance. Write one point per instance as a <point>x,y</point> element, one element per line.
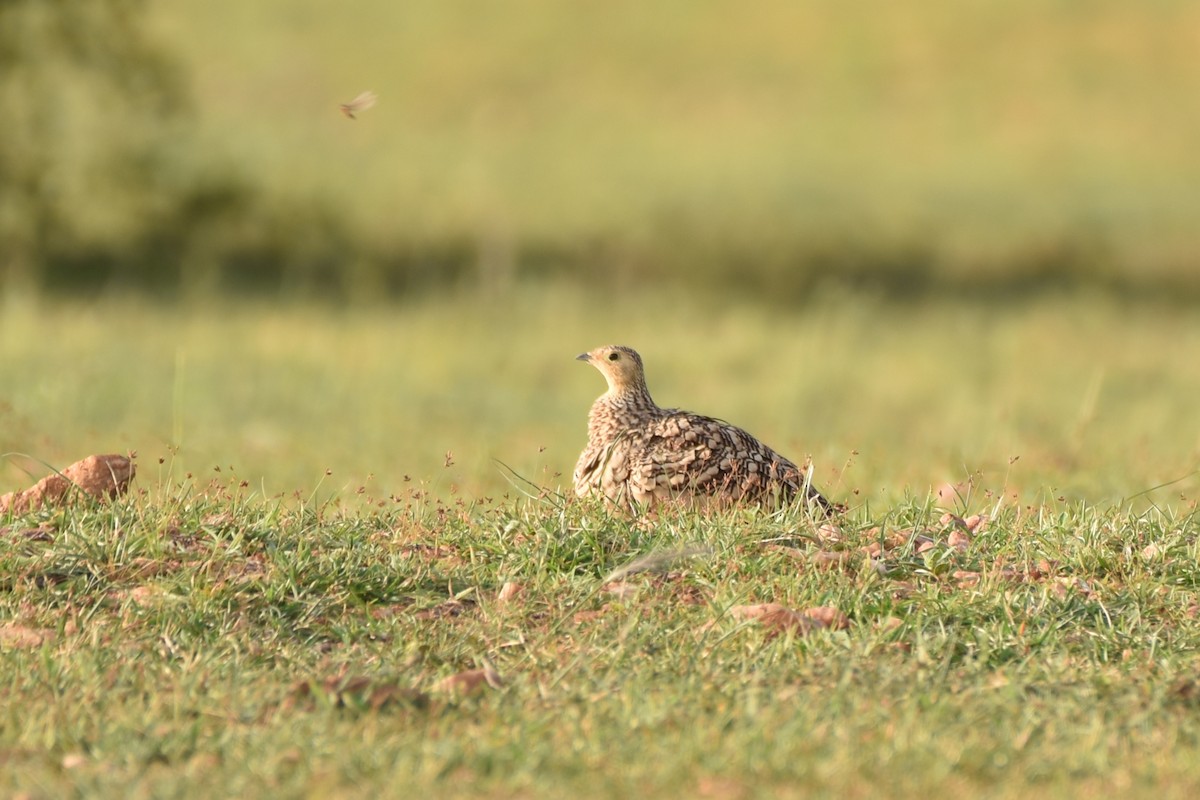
<point>193,644</point>
<point>288,634</point>
<point>1093,398</point>
<point>249,622</point>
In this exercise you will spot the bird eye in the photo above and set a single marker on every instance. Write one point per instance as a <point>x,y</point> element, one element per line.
<point>614,356</point>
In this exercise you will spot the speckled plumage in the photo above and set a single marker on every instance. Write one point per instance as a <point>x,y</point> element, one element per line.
<point>640,454</point>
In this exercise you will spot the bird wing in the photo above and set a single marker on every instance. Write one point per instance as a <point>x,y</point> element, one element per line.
<point>604,467</point>
<point>687,453</point>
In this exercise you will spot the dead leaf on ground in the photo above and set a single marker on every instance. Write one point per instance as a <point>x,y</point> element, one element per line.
<point>1066,584</point>
<point>821,559</point>
<point>622,590</point>
<point>220,519</point>
<point>143,595</point>
<point>830,559</point>
<point>74,760</point>
<point>353,691</point>
<point>385,695</point>
<point>1010,574</point>
<point>469,681</point>
<point>686,592</point>
<point>345,684</point>
<point>202,763</point>
<point>389,611</point>
<point>721,788</point>
<point>447,610</point>
<point>790,552</point>
<point>776,617</point>
<point>23,637</point>
<point>966,578</point>
<point>143,567</point>
<point>42,533</point>
<point>779,618</point>
<point>1044,569</point>
<point>828,616</point>
<point>590,614</point>
<point>510,591</point>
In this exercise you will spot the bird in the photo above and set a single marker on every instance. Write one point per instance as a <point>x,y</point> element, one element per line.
<point>360,103</point>
<point>640,455</point>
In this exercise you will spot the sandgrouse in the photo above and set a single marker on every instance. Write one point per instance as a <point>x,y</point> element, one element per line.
<point>639,454</point>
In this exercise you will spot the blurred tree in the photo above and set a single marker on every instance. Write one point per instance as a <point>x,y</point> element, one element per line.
<point>89,106</point>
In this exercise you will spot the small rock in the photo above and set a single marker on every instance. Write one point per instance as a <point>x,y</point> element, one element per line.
<point>976,523</point>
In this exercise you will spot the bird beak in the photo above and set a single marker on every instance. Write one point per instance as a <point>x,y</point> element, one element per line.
<point>584,357</point>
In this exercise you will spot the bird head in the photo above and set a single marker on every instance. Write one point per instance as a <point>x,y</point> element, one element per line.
<point>620,366</point>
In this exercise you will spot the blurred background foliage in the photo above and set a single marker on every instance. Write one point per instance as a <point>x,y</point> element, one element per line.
<point>195,147</point>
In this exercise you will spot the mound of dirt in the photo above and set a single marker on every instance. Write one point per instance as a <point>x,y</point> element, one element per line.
<point>101,477</point>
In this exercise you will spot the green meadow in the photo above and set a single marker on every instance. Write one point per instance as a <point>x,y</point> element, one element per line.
<point>1082,397</point>
<point>330,504</point>
<point>947,251</point>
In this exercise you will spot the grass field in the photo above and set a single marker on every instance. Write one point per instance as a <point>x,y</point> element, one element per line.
<point>292,636</point>
<point>708,141</point>
<point>1095,398</point>
<point>213,646</point>
<point>347,512</point>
